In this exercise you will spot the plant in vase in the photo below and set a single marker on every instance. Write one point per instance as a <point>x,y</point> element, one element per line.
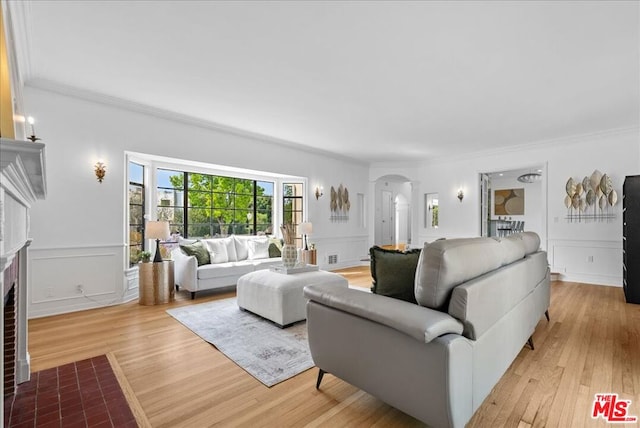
<point>289,250</point>
<point>145,256</point>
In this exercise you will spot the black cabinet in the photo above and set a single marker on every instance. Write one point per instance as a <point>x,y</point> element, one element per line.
<point>631,238</point>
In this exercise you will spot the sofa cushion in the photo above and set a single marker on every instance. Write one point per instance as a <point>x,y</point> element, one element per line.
<point>220,270</point>
<point>445,264</point>
<point>393,272</point>
<point>258,248</point>
<point>218,250</point>
<point>512,248</point>
<point>199,250</point>
<point>531,242</point>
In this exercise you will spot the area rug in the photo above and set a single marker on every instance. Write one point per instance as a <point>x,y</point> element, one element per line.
<point>264,350</point>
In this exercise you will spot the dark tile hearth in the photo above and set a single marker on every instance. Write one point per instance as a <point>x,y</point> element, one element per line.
<point>81,394</point>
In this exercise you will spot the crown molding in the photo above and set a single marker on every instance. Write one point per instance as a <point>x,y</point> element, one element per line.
<point>133,106</point>
<point>542,144</point>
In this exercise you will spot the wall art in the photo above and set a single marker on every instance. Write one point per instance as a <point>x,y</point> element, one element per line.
<point>591,198</point>
<point>508,202</point>
<point>339,204</point>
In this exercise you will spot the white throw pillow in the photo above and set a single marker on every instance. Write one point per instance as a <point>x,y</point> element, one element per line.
<point>258,249</point>
<point>231,249</point>
<point>217,250</point>
<point>242,252</point>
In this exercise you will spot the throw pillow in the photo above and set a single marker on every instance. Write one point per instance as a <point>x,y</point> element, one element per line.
<point>394,272</point>
<point>217,250</point>
<point>242,252</point>
<point>258,249</point>
<point>275,248</point>
<point>198,250</point>
<point>231,249</point>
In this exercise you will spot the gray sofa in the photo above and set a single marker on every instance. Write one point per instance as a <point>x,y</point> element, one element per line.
<point>479,301</point>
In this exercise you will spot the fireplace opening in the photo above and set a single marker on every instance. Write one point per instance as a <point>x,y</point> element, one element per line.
<point>10,329</point>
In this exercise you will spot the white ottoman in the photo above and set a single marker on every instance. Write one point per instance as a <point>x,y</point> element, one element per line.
<point>279,297</point>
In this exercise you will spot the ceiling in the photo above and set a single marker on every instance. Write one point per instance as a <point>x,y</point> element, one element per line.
<point>377,81</point>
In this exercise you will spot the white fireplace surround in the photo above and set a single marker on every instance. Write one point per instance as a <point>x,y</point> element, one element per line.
<point>22,182</point>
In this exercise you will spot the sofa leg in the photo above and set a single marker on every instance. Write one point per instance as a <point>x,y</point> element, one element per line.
<point>530,342</point>
<point>320,374</point>
<point>546,314</point>
<point>193,295</point>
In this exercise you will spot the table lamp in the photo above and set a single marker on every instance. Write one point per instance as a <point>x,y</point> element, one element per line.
<point>305,229</point>
<point>157,230</point>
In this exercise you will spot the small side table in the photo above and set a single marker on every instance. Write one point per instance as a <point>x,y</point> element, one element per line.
<point>156,284</point>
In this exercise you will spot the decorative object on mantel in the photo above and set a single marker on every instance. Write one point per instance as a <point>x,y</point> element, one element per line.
<point>590,198</point>
<point>339,204</point>
<point>101,170</point>
<point>289,250</point>
<point>32,137</point>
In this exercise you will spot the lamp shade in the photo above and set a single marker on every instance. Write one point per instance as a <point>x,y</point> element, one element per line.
<point>157,230</point>
<point>305,228</point>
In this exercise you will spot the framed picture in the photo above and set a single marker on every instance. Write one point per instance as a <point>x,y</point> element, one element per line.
<point>508,202</point>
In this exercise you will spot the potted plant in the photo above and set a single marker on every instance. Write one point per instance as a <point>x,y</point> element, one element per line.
<point>145,256</point>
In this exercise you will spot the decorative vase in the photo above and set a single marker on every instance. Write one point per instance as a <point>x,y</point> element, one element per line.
<point>289,255</point>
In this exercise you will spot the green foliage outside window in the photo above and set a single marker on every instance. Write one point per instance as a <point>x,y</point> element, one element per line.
<point>216,205</point>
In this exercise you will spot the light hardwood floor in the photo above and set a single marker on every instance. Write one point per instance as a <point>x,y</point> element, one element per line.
<point>591,345</point>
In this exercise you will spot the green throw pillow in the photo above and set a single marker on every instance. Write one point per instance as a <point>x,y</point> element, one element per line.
<point>275,247</point>
<point>199,250</point>
<point>394,272</point>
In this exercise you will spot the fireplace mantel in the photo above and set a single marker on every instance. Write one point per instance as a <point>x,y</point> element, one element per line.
<point>22,182</point>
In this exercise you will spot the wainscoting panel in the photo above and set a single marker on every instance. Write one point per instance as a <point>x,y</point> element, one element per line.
<point>349,251</point>
<point>71,279</point>
<point>593,262</point>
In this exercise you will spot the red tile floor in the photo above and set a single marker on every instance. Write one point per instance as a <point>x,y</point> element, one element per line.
<point>81,394</point>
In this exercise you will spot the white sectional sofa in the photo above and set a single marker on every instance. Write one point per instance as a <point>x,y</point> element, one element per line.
<point>230,258</point>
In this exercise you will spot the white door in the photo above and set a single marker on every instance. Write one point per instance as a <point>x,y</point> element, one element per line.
<point>402,220</point>
<point>387,218</point>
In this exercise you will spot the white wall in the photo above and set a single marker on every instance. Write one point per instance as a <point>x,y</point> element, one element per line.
<point>588,252</point>
<point>79,231</point>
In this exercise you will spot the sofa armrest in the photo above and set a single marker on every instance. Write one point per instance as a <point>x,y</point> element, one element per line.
<point>185,270</point>
<point>421,323</point>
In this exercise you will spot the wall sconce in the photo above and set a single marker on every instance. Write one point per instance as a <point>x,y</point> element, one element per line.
<point>32,137</point>
<point>319,192</point>
<point>101,170</point>
<point>460,195</point>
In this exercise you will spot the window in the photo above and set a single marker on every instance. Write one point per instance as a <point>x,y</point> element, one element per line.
<point>431,210</point>
<point>170,194</point>
<point>292,206</point>
<point>201,205</point>
<point>136,212</point>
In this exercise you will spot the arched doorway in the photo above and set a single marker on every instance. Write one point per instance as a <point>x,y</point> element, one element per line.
<point>392,219</point>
